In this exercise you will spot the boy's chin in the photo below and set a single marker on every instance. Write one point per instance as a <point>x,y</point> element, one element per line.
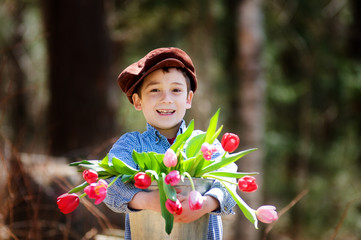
<point>168,126</point>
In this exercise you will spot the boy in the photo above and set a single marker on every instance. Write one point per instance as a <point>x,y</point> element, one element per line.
<point>161,85</point>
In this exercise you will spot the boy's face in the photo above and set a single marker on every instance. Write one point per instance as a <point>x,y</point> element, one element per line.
<point>164,100</point>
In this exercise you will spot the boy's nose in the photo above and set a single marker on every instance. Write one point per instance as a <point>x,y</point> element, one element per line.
<point>166,98</point>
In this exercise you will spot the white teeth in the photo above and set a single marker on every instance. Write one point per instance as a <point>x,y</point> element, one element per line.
<point>166,111</point>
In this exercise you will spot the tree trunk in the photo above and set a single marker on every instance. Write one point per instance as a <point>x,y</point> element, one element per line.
<point>79,56</point>
<point>354,47</point>
<point>13,81</point>
<point>250,104</point>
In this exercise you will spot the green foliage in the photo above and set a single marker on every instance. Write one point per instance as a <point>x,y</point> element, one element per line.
<point>169,218</point>
<point>313,127</point>
<point>248,212</point>
<point>225,160</point>
<point>79,188</point>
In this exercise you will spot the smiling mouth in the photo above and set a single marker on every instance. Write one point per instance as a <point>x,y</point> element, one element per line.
<point>166,112</point>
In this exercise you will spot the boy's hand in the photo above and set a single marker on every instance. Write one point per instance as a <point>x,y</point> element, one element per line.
<point>146,200</point>
<point>209,204</point>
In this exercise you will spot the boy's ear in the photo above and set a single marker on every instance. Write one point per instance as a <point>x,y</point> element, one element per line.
<point>137,102</point>
<point>189,100</point>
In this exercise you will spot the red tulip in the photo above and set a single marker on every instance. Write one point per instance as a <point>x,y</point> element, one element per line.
<point>142,180</point>
<point>267,214</point>
<point>67,202</point>
<point>195,200</point>
<point>230,142</point>
<point>207,150</point>
<point>90,176</point>
<point>97,191</point>
<point>174,207</point>
<point>247,184</point>
<point>170,158</point>
<point>172,178</point>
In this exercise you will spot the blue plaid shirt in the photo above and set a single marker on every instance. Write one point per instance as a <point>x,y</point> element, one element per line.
<point>151,140</point>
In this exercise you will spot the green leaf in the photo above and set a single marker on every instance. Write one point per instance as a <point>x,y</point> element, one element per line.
<point>93,167</point>
<point>225,160</point>
<point>183,137</point>
<point>198,164</point>
<point>105,160</point>
<point>216,134</point>
<point>230,174</point>
<point>188,164</point>
<point>105,174</point>
<point>127,178</point>
<point>122,167</point>
<point>106,166</point>
<point>170,192</point>
<point>212,127</point>
<point>248,212</point>
<point>153,173</point>
<point>168,217</point>
<point>194,145</point>
<point>141,159</point>
<point>154,163</point>
<point>79,188</point>
<point>159,159</point>
<point>202,164</point>
<point>80,162</point>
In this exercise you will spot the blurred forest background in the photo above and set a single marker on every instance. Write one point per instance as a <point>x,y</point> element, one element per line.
<point>286,74</point>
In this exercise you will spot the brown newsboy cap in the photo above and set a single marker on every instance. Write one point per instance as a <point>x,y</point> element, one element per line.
<point>158,58</point>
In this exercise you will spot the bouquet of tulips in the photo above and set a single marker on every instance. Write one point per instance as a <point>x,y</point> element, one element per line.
<point>189,157</point>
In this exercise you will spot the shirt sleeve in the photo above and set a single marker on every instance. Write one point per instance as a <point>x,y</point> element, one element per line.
<point>120,194</point>
<point>218,191</point>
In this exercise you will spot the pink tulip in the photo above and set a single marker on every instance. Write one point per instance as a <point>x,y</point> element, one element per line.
<point>195,200</point>
<point>207,150</point>
<point>267,214</point>
<point>174,207</point>
<point>247,184</point>
<point>170,158</point>
<point>230,142</point>
<point>172,178</point>
<point>67,202</point>
<point>142,180</point>
<point>97,191</point>
<point>90,176</point>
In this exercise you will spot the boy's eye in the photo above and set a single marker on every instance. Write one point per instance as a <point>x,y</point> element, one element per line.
<point>154,90</point>
<point>177,90</point>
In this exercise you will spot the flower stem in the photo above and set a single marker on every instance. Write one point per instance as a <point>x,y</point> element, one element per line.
<point>195,165</point>
<point>219,179</point>
<point>82,195</point>
<point>115,179</point>
<point>190,179</point>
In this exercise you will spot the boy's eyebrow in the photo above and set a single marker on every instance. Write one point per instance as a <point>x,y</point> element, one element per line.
<point>152,83</point>
<point>178,83</point>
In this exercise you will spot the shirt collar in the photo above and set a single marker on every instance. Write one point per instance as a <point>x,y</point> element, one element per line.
<point>155,132</point>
